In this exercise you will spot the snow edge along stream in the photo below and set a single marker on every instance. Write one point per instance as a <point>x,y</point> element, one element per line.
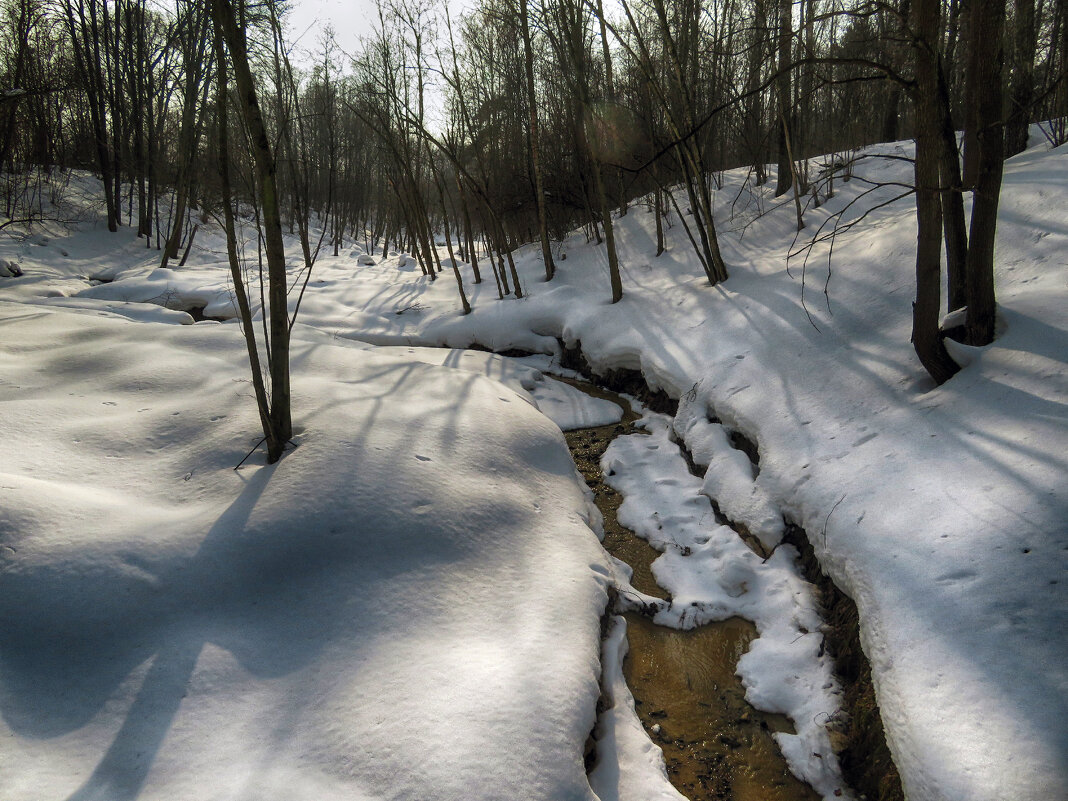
<point>856,729</point>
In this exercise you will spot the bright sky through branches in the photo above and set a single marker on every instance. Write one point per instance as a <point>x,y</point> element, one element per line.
<point>351,20</point>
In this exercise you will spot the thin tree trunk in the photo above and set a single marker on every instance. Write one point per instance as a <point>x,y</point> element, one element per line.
<point>448,240</point>
<point>1023,79</point>
<point>281,425</point>
<point>795,183</point>
<point>784,178</point>
<point>535,147</point>
<point>953,222</point>
<point>658,212</point>
<point>240,292</point>
<point>472,249</point>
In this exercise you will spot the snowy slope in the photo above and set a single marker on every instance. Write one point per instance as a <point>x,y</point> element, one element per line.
<point>406,606</point>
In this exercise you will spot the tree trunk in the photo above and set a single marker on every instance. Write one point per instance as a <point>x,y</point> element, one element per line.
<point>472,249</point>
<point>280,419</point>
<point>658,212</point>
<point>1023,79</point>
<point>990,149</point>
<point>953,222</point>
<point>784,179</point>
<point>240,292</point>
<point>535,149</point>
<point>926,337</point>
<point>973,12</point>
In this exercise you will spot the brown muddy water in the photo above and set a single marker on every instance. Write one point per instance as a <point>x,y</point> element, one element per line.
<point>716,746</point>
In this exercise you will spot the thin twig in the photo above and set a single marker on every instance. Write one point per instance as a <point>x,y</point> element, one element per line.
<point>828,519</point>
<point>254,447</point>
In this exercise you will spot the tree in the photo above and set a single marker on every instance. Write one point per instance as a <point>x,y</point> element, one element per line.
<point>1022,93</point>
<point>195,47</point>
<point>275,402</point>
<point>669,63</point>
<point>926,337</point>
<point>535,147</point>
<point>936,171</point>
<point>567,29</point>
<point>85,27</point>
<point>784,180</point>
<point>987,54</point>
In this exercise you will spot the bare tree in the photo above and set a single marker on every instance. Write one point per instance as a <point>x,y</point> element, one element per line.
<point>275,401</point>
<point>535,146</point>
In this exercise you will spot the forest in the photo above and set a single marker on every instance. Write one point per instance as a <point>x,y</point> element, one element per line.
<point>577,330</point>
<point>514,122</point>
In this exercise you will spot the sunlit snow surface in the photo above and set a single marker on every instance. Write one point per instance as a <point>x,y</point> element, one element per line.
<point>407,605</point>
<point>566,406</point>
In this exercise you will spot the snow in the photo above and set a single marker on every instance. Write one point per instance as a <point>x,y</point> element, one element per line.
<point>369,618</point>
<point>372,617</point>
<point>146,312</point>
<point>566,406</point>
<point>730,477</point>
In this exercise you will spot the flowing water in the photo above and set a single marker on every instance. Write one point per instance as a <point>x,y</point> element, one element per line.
<point>716,746</point>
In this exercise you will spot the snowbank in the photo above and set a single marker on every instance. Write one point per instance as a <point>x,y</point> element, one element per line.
<point>406,606</point>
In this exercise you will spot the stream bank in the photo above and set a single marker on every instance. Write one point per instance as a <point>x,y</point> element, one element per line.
<point>716,746</point>
<point>864,757</point>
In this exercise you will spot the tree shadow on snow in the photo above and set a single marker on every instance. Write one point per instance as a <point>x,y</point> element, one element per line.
<point>273,596</point>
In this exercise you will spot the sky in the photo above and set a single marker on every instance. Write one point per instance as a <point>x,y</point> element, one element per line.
<point>351,20</point>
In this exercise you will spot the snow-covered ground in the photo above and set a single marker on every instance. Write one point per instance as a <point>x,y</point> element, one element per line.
<point>407,605</point>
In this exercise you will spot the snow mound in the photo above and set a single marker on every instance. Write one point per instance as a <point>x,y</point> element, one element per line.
<point>172,289</point>
<point>369,618</point>
<point>142,312</point>
<point>566,406</point>
<point>730,478</point>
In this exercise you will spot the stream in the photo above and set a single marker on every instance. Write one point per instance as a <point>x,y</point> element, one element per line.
<point>688,698</point>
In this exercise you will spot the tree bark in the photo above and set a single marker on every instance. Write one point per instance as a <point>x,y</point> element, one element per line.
<point>990,148</point>
<point>535,151</point>
<point>784,178</point>
<point>240,292</point>
<point>926,337</point>
<point>1022,92</point>
<point>953,221</point>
